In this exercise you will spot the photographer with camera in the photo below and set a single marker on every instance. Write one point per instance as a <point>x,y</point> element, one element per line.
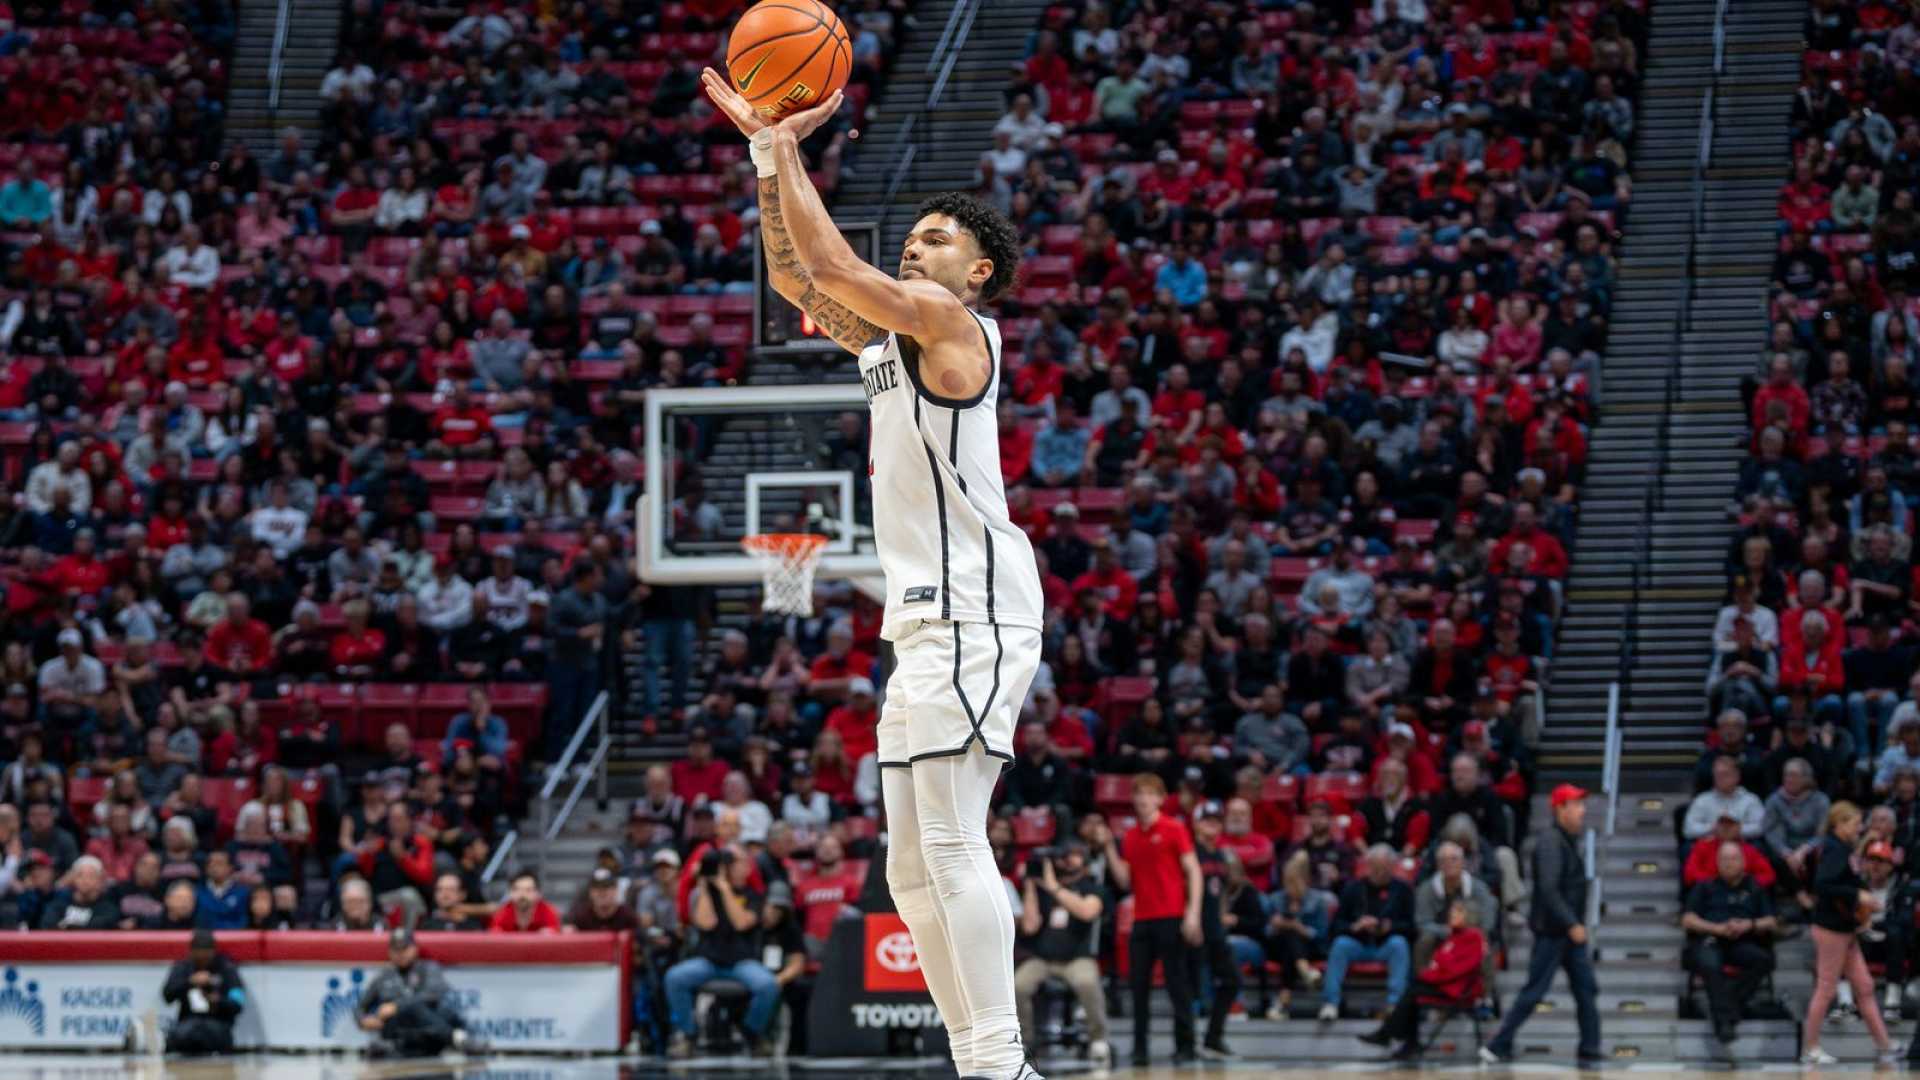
<point>726,913</point>
<point>1061,907</point>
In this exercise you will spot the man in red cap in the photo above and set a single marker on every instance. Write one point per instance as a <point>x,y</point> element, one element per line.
<point>1558,921</point>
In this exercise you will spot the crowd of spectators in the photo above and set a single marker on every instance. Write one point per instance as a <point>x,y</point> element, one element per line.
<point>1812,683</point>
<point>1294,411</point>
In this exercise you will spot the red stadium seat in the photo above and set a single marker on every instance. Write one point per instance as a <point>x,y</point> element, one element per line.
<point>82,793</point>
<point>438,704</point>
<point>385,704</point>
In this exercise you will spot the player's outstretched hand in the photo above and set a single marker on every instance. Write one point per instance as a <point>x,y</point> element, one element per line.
<point>728,100</point>
<point>807,121</point>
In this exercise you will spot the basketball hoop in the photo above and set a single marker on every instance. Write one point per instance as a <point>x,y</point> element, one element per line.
<point>787,563</point>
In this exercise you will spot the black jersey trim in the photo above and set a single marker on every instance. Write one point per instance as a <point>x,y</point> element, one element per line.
<point>940,506</point>
<point>910,357</point>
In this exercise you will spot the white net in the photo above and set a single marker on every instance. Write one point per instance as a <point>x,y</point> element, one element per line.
<point>787,563</point>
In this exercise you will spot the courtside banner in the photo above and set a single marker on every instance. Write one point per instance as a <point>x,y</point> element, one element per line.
<point>518,992</point>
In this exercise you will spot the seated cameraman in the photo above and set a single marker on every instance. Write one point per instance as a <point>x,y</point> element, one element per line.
<point>207,988</point>
<point>1060,911</point>
<point>725,912</point>
<point>1731,918</point>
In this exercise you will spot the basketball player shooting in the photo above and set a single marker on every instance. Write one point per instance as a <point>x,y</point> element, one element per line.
<point>963,593</point>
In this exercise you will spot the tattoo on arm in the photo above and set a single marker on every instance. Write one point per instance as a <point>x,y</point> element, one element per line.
<point>852,332</point>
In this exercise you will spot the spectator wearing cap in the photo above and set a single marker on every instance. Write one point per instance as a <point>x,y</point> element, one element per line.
<point>698,777</point>
<point>599,906</point>
<point>1745,674</point>
<point>1560,934</point>
<point>1730,922</point>
<point>728,910</point>
<point>72,686</point>
<point>208,991</point>
<point>805,807</point>
<point>408,1008</point>
<point>1799,740</point>
<point>1887,937</point>
<point>856,719</point>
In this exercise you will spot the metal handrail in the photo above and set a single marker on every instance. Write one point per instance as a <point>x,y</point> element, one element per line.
<point>281,24</point>
<point>549,822</point>
<point>946,36</point>
<point>499,860</point>
<point>1720,39</point>
<point>953,53</point>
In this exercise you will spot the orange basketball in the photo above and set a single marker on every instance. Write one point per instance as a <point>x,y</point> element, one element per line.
<point>788,54</point>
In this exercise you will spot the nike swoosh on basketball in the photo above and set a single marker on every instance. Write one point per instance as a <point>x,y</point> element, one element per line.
<point>747,79</point>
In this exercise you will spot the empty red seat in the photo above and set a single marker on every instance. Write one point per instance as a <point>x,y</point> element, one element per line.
<point>436,707</point>
<point>386,704</point>
<point>82,793</point>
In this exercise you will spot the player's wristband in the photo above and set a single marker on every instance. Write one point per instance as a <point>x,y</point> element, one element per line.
<point>760,148</point>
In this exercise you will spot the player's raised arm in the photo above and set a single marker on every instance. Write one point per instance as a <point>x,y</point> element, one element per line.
<point>784,271</point>
<point>919,308</point>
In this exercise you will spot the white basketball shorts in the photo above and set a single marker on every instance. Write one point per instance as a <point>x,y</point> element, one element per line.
<point>956,686</point>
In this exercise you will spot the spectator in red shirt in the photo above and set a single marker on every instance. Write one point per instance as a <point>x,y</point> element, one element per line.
<point>833,671</point>
<point>1178,408</point>
<point>81,573</point>
<point>1812,660</point>
<point>525,912</point>
<point>1704,857</point>
<point>1549,558</point>
<point>855,722</point>
<point>1110,579</point>
<point>358,649</point>
<point>1508,669</point>
<point>1157,862</point>
<point>239,644</point>
<point>1038,381</point>
<point>1805,202</point>
<point>1016,446</point>
<point>196,359</point>
<point>824,892</point>
<point>697,777</point>
<point>462,427</point>
<point>1782,386</point>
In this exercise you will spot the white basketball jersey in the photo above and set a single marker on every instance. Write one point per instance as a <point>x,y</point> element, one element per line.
<point>940,523</point>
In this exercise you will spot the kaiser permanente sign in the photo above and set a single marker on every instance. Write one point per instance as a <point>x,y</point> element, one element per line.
<point>518,992</point>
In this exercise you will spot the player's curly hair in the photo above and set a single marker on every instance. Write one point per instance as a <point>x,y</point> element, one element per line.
<point>998,239</point>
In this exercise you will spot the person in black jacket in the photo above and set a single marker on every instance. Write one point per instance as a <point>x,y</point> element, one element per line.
<point>1730,923</point>
<point>1374,925</point>
<point>1559,930</point>
<point>1467,793</point>
<point>1841,905</point>
<point>207,988</point>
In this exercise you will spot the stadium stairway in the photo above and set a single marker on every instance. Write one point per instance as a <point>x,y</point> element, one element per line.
<point>1637,946</point>
<point>1681,533</point>
<point>313,33</point>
